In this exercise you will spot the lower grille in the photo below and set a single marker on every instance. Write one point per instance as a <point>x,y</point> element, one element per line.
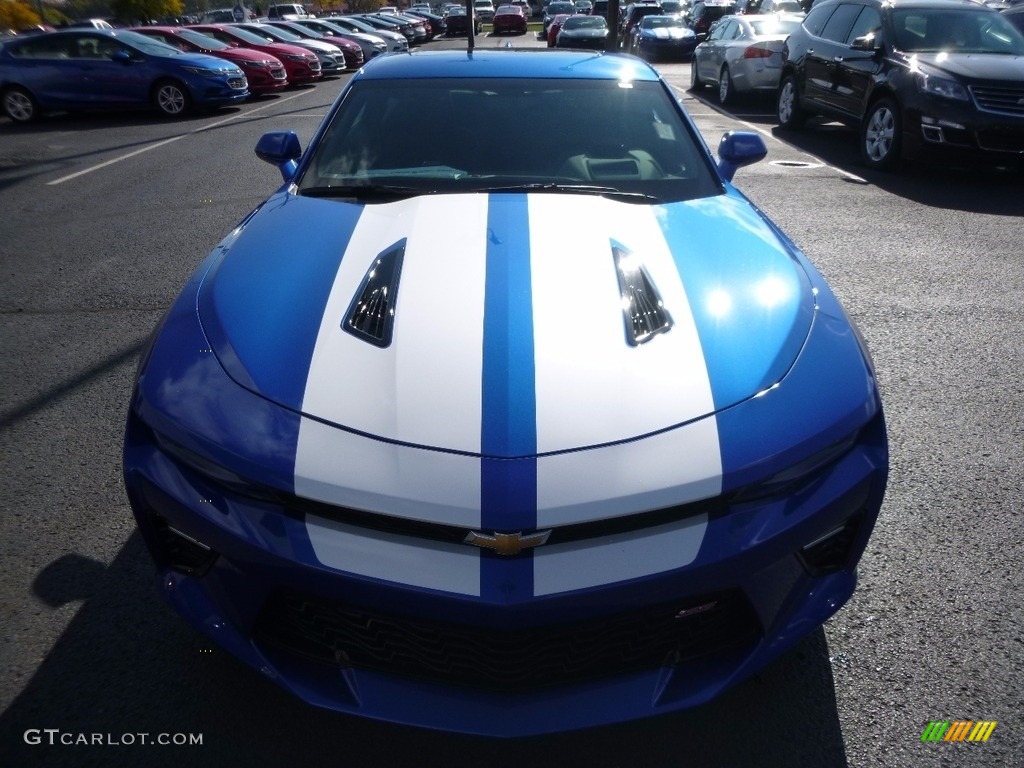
<point>1008,100</point>
<point>509,660</point>
<point>1001,140</point>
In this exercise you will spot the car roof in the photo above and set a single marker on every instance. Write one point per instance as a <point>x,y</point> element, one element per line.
<point>509,63</point>
<point>913,3</point>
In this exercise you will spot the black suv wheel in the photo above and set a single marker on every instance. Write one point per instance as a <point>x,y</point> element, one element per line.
<point>787,104</point>
<point>880,135</point>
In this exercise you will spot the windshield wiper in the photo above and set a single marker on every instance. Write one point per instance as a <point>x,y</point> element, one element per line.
<point>366,191</point>
<point>580,189</point>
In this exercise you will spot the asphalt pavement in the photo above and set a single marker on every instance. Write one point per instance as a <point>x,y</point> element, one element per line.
<point>102,219</point>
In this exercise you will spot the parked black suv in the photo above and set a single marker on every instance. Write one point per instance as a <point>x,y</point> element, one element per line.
<point>921,78</point>
<point>704,13</point>
<point>630,16</point>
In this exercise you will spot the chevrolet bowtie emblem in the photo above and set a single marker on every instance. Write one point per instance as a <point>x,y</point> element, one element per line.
<point>506,543</point>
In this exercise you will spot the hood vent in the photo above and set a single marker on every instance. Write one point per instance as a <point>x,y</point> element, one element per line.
<point>371,315</point>
<point>642,307</point>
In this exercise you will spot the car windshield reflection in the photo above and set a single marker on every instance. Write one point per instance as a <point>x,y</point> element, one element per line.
<point>448,136</point>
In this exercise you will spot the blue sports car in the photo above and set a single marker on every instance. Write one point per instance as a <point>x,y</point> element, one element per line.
<point>506,476</point>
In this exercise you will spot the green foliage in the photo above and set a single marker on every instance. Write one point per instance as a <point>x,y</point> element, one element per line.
<point>87,9</point>
<point>15,14</point>
<point>145,10</point>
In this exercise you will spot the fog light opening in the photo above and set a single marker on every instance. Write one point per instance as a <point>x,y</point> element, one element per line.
<point>932,133</point>
<point>182,552</point>
<point>831,551</point>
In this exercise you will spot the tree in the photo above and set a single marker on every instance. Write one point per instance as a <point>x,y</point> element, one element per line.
<point>146,10</point>
<point>15,14</point>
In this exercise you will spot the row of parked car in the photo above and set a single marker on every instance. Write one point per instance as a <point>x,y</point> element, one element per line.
<point>176,68</point>
<point>934,80</point>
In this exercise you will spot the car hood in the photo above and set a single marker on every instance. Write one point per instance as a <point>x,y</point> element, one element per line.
<point>205,60</point>
<point>247,54</point>
<point>976,66</point>
<point>316,45</point>
<point>526,306</point>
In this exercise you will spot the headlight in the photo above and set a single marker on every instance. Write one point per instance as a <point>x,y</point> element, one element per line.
<point>295,56</point>
<point>205,72</point>
<point>256,63</point>
<point>939,86</point>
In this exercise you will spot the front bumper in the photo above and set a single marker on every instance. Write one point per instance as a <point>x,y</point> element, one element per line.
<point>658,48</point>
<point>944,129</point>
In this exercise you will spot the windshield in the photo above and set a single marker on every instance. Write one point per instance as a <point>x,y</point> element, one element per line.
<point>280,35</point>
<point>655,22</point>
<point>585,22</point>
<point>961,30</point>
<point>148,44</point>
<point>203,41</point>
<point>774,27</point>
<point>414,137</point>
<point>243,34</point>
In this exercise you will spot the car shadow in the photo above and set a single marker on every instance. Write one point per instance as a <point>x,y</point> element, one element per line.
<point>103,119</point>
<point>967,188</point>
<point>127,665</point>
<point>946,185</point>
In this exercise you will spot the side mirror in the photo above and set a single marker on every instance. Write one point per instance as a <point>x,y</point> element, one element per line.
<point>739,148</point>
<point>869,42</point>
<point>121,56</point>
<point>280,148</point>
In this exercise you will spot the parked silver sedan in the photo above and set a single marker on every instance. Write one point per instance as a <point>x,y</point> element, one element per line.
<point>742,54</point>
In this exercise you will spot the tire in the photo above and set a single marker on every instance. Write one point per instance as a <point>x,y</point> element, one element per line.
<point>171,98</point>
<point>881,135</point>
<point>787,104</point>
<point>19,105</point>
<point>726,92</point>
<point>696,84</point>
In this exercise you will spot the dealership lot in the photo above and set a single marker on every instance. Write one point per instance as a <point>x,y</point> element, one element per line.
<point>103,218</point>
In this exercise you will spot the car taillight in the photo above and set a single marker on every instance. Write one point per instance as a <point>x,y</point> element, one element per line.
<point>757,52</point>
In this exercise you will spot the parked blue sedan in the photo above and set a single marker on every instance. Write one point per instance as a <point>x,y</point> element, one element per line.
<point>96,69</point>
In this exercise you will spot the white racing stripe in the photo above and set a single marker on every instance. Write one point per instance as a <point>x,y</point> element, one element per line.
<point>432,565</point>
<point>341,468</point>
<point>663,470</point>
<point>592,387</point>
<point>579,565</point>
<point>426,387</point>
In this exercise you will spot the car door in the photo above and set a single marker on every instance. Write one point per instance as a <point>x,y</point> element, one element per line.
<point>110,73</point>
<point>824,52</point>
<point>43,64</point>
<point>856,68</point>
<point>714,49</point>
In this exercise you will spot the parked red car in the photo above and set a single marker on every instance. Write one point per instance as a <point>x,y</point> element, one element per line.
<point>509,18</point>
<point>301,66</point>
<point>555,27</point>
<point>265,72</point>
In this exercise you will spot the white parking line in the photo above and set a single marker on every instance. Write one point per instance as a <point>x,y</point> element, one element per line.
<point>171,140</point>
<point>773,137</point>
